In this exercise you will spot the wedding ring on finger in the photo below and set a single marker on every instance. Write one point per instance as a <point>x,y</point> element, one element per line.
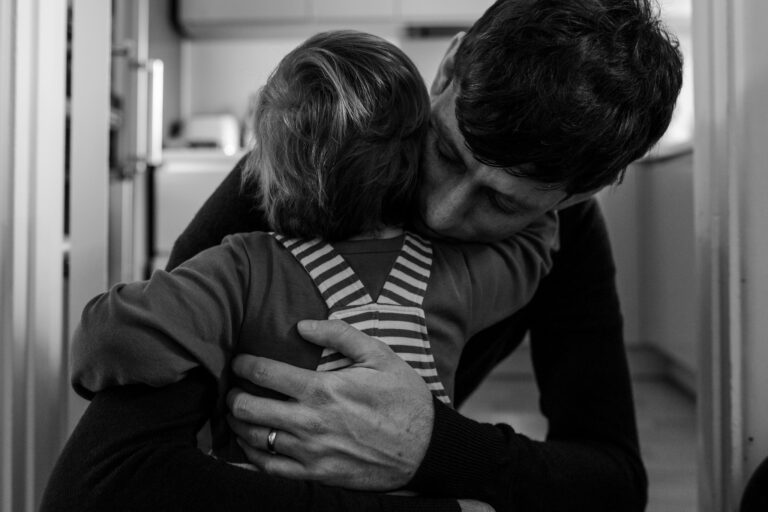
<point>271,438</point>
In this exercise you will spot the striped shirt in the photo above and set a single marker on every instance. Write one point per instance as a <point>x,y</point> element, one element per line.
<point>396,317</point>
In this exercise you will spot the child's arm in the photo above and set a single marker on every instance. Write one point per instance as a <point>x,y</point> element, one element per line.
<point>504,276</point>
<point>153,332</point>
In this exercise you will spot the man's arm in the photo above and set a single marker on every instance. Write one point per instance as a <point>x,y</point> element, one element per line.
<point>591,459</point>
<point>134,449</point>
<point>592,452</point>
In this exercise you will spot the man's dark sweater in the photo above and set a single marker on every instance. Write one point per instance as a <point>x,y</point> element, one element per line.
<point>135,447</point>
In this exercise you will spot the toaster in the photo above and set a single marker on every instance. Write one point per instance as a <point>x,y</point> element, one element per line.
<point>220,131</point>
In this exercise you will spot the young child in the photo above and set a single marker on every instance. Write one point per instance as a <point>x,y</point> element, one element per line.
<point>339,127</point>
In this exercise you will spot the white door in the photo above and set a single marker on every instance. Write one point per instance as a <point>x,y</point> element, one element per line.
<point>730,155</point>
<point>33,401</point>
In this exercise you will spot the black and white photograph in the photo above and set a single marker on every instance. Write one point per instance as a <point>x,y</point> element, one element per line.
<point>383,255</point>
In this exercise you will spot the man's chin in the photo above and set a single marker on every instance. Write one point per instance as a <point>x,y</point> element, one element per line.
<point>420,226</point>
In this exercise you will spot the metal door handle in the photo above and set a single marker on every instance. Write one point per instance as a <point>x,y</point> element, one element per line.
<point>155,112</point>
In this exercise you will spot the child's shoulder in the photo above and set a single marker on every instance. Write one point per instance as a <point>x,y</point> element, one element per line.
<point>252,241</point>
<point>250,238</point>
<point>458,249</point>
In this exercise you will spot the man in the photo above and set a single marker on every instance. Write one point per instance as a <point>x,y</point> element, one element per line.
<point>540,103</point>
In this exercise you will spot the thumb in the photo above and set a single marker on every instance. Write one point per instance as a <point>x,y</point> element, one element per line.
<point>342,337</point>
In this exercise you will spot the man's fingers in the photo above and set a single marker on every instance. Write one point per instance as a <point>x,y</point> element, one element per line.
<point>277,465</point>
<point>256,437</point>
<point>275,375</point>
<point>341,337</point>
<point>475,506</point>
<point>267,412</point>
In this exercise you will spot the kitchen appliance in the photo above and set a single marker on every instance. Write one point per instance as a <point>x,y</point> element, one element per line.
<point>180,187</point>
<point>221,131</point>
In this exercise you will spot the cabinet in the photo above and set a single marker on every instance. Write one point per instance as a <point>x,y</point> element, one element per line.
<point>442,12</point>
<point>249,18</point>
<point>180,186</point>
<point>360,10</point>
<point>202,13</point>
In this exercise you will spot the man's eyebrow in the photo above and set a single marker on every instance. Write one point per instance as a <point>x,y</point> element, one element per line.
<point>512,198</point>
<point>520,204</point>
<point>442,133</point>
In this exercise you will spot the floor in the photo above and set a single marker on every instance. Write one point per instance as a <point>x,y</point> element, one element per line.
<point>666,423</point>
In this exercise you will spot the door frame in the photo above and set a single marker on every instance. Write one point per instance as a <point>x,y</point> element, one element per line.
<point>33,41</point>
<point>730,186</point>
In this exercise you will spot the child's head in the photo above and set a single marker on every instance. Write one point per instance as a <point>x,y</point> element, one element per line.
<point>339,127</point>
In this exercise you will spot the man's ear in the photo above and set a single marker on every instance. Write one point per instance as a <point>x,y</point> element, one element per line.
<point>445,70</point>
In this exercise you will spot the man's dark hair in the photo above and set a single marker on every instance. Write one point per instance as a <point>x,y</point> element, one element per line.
<point>339,128</point>
<point>576,89</point>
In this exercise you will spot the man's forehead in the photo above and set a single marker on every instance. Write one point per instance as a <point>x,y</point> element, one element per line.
<point>529,194</point>
<point>447,129</point>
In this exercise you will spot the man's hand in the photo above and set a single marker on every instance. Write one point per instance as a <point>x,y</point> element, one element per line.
<point>363,427</point>
<point>475,506</point>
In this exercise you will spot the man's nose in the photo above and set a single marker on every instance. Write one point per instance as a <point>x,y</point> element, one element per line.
<point>454,204</point>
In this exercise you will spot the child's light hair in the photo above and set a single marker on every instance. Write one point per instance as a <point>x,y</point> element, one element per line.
<point>339,127</point>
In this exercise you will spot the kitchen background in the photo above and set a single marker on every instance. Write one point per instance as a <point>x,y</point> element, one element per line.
<point>213,72</point>
<point>118,119</point>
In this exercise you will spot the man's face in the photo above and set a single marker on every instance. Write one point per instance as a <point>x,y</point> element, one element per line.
<point>461,198</point>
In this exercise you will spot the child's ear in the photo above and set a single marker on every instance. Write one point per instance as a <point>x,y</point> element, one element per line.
<point>445,70</point>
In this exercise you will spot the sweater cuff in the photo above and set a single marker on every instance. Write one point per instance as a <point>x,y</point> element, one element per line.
<point>463,457</point>
<point>411,504</point>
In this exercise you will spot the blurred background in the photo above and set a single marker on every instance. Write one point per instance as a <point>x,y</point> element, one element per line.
<point>118,119</point>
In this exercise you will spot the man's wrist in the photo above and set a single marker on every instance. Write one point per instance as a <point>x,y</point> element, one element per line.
<point>421,429</point>
<point>459,455</point>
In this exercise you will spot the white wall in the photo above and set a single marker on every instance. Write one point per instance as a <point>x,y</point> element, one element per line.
<point>650,218</point>
<point>220,75</point>
<point>668,302</point>
<point>620,206</point>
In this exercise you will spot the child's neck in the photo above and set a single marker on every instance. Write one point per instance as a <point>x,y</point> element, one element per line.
<point>382,233</point>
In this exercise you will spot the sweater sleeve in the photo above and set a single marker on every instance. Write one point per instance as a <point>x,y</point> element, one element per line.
<point>503,276</point>
<point>134,449</point>
<point>591,458</point>
<point>152,332</point>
